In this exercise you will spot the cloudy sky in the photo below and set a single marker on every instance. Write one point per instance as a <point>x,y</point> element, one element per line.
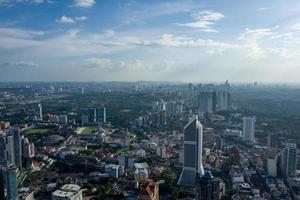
<point>101,40</point>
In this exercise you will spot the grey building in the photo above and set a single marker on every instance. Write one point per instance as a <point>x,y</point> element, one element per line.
<point>192,153</point>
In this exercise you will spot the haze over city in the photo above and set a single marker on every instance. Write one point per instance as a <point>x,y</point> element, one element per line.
<point>89,40</point>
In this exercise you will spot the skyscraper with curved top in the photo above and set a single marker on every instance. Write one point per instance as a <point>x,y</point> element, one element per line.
<point>192,148</point>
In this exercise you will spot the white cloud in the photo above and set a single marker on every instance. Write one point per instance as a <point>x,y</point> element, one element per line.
<point>296,27</point>
<point>264,8</point>
<point>65,20</point>
<point>82,18</point>
<point>84,3</point>
<point>204,20</point>
<point>19,64</point>
<point>69,20</point>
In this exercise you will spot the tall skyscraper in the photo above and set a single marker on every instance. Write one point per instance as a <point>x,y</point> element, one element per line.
<point>289,160</point>
<point>2,151</point>
<point>40,112</point>
<point>11,183</point>
<point>2,185</point>
<point>248,129</point>
<point>207,187</point>
<point>159,114</point>
<point>192,156</point>
<point>99,115</point>
<point>205,103</point>
<point>16,133</point>
<point>271,156</point>
<point>222,100</point>
<point>9,150</point>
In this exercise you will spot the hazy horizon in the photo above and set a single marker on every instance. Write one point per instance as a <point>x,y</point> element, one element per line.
<point>177,41</point>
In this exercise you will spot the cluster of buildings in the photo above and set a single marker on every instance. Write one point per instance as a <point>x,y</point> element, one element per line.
<point>161,110</point>
<point>13,149</point>
<point>94,116</point>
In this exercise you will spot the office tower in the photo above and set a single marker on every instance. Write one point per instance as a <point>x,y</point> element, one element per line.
<point>2,151</point>
<point>2,175</point>
<point>271,156</point>
<point>9,150</point>
<point>99,115</point>
<point>222,100</point>
<point>214,101</point>
<point>272,140</point>
<point>248,129</point>
<point>192,152</point>
<point>207,187</point>
<point>40,112</point>
<point>205,101</point>
<point>172,109</point>
<point>289,160</point>
<point>16,133</point>
<point>11,183</point>
<point>159,114</point>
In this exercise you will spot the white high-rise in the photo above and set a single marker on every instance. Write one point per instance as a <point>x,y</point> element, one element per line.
<point>41,112</point>
<point>248,129</point>
<point>192,153</point>
<point>289,160</point>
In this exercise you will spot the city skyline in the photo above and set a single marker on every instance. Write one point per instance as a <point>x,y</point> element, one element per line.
<point>89,40</point>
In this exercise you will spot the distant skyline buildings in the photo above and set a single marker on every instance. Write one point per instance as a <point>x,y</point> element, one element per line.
<point>249,128</point>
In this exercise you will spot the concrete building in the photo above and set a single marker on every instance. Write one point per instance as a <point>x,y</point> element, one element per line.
<point>271,156</point>
<point>9,150</point>
<point>248,129</point>
<point>205,101</point>
<point>289,160</point>
<point>11,183</point>
<point>63,119</point>
<point>16,133</point>
<point>68,192</point>
<point>159,114</point>
<point>192,148</point>
<point>2,184</point>
<point>207,187</point>
<point>40,112</point>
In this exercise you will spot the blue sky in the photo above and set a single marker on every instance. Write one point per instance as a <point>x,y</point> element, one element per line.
<point>101,40</point>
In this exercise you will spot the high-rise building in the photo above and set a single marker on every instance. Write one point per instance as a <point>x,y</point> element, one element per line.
<point>9,150</point>
<point>40,112</point>
<point>289,160</point>
<point>248,129</point>
<point>98,115</point>
<point>205,101</point>
<point>2,185</point>
<point>222,100</point>
<point>207,187</point>
<point>159,114</point>
<point>192,156</point>
<point>11,183</point>
<point>271,156</point>
<point>16,133</point>
<point>2,151</point>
